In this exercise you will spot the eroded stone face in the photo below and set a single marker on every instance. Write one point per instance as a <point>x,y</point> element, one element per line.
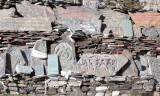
<point>65,54</point>
<point>30,10</point>
<point>154,68</point>
<point>16,57</point>
<point>101,65</point>
<point>7,12</point>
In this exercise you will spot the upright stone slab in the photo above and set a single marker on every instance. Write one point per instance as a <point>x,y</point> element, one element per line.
<point>39,70</point>
<point>66,55</point>
<point>35,62</point>
<point>127,28</point>
<point>137,30</point>
<point>53,65</point>
<point>101,65</point>
<point>25,24</point>
<point>16,58</point>
<point>32,10</point>
<point>2,64</point>
<point>40,49</point>
<point>154,68</point>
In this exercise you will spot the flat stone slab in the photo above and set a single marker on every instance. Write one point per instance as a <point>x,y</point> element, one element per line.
<point>25,24</point>
<point>127,28</point>
<point>101,65</point>
<point>39,70</point>
<point>92,4</point>
<point>32,10</point>
<point>87,26</point>
<point>53,64</point>
<point>23,69</point>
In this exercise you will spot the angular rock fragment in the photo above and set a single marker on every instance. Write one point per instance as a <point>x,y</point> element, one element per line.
<point>39,50</point>
<point>92,4</point>
<point>150,32</point>
<point>149,18</point>
<point>101,65</point>
<point>30,10</point>
<point>137,30</point>
<point>130,69</point>
<point>7,12</point>
<point>53,64</point>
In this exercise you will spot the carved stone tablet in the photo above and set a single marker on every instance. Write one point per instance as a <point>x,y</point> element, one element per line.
<point>25,24</point>
<point>16,57</point>
<point>92,4</point>
<point>87,26</point>
<point>154,65</point>
<point>101,65</point>
<point>32,10</point>
<point>53,65</point>
<point>65,54</point>
<point>127,28</point>
<point>2,64</point>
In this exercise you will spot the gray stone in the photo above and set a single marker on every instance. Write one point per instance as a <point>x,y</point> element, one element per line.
<point>150,31</point>
<point>137,30</point>
<point>7,12</point>
<point>115,79</point>
<point>25,24</point>
<point>2,64</point>
<point>53,64</point>
<point>101,88</point>
<point>74,83</point>
<point>3,88</point>
<point>23,69</point>
<point>90,26</point>
<point>101,65</point>
<point>37,61</point>
<point>137,86</point>
<point>127,28</point>
<point>32,10</point>
<point>55,84</point>
<point>40,49</point>
<point>130,69</point>
<point>39,70</point>
<point>92,4</point>
<point>66,55</point>
<point>27,55</point>
<point>154,68</point>
<point>16,58</point>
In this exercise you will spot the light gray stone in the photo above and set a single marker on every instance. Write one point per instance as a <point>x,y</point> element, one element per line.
<point>150,31</point>
<point>23,69</point>
<point>2,64</point>
<point>127,28</point>
<point>53,64</point>
<point>39,70</point>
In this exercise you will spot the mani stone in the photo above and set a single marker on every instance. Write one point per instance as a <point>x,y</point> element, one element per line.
<point>53,65</point>
<point>127,28</point>
<point>100,65</point>
<point>92,4</point>
<point>23,69</point>
<point>39,70</point>
<point>2,64</point>
<point>15,57</point>
<point>25,24</point>
<point>32,10</point>
<point>90,26</point>
<point>7,12</point>
<point>66,55</point>
<point>40,49</point>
